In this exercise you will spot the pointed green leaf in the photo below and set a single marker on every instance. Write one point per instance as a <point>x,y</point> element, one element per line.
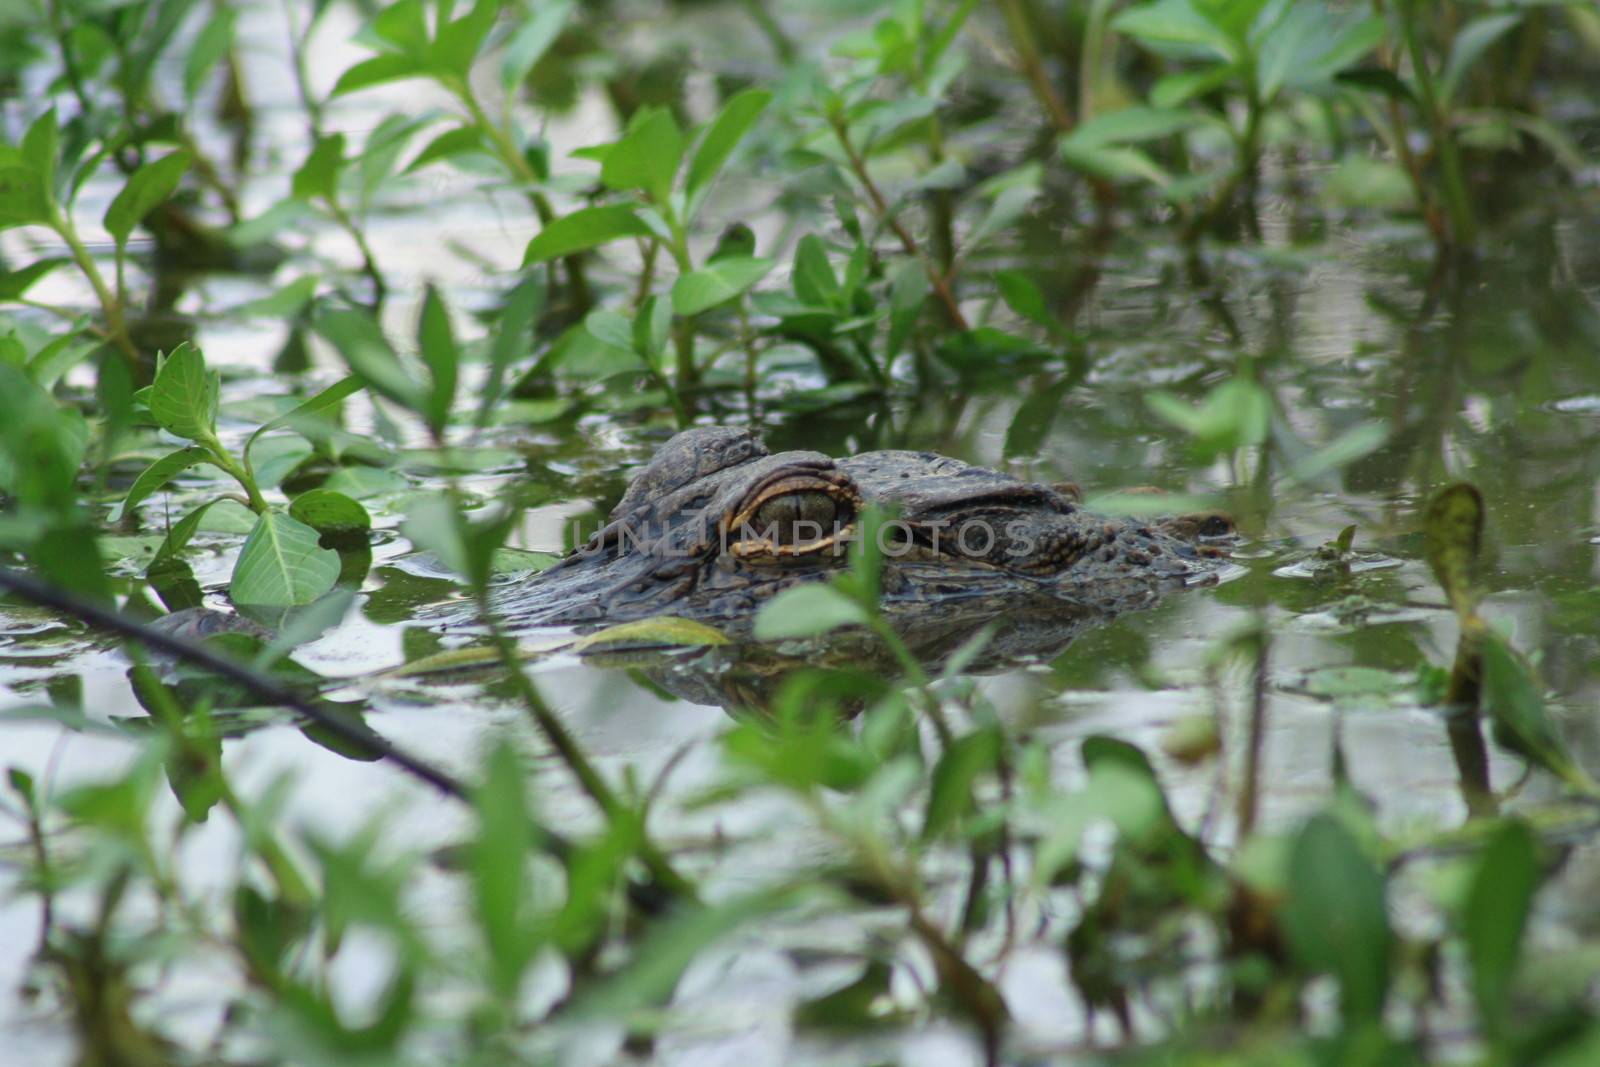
<point>1336,916</point>
<point>717,283</point>
<point>322,401</point>
<point>157,475</point>
<point>359,339</point>
<point>584,229</point>
<point>1475,38</point>
<point>183,398</point>
<point>805,611</point>
<point>1495,916</point>
<point>209,49</point>
<point>376,71</point>
<point>647,156</point>
<point>530,42</point>
<point>318,176</point>
<point>437,344</point>
<point>735,119</point>
<point>22,198</point>
<point>149,187</point>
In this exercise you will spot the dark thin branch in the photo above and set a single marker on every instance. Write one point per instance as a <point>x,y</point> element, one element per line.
<point>267,688</point>
<point>648,896</point>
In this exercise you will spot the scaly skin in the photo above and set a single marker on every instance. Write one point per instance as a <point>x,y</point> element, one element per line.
<point>709,531</point>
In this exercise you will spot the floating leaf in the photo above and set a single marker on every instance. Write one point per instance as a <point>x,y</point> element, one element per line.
<point>330,513</point>
<point>660,630</point>
<point>282,564</point>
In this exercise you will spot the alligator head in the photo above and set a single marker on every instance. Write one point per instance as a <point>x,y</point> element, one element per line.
<point>716,526</point>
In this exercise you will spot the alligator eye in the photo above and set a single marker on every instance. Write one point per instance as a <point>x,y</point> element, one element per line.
<point>796,518</point>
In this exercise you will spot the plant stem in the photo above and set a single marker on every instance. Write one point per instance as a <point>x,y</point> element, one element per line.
<point>1463,227</point>
<point>517,163</point>
<point>880,208</point>
<point>237,471</point>
<point>555,732</point>
<point>110,306</point>
<point>1033,68</point>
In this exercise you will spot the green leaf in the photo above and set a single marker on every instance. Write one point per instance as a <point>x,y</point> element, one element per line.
<point>730,126</point>
<point>1113,164</point>
<point>805,611</point>
<point>179,535</point>
<point>1336,916</point>
<point>717,283</point>
<point>437,344</point>
<point>908,293</point>
<point>1311,44</point>
<point>149,187</point>
<point>652,632</point>
<point>330,513</point>
<point>15,284</point>
<point>1521,720</point>
<point>652,328</point>
<point>815,283</point>
<point>376,71</point>
<point>210,47</point>
<point>532,40</point>
<point>183,397</point>
<point>1495,916</point>
<point>157,475</point>
<point>1023,297</point>
<point>456,142</point>
<point>1177,22</point>
<point>458,42</point>
<point>1475,38</point>
<point>41,144</point>
<point>1235,414</point>
<point>497,864</point>
<point>358,338</point>
<point>436,524</point>
<point>322,401</point>
<point>950,792</point>
<point>282,565</point>
<point>318,176</point>
<point>22,198</point>
<point>403,26</point>
<point>1132,125</point>
<point>511,339</point>
<point>584,229</point>
<point>1452,529</point>
<point>610,328</point>
<point>647,156</point>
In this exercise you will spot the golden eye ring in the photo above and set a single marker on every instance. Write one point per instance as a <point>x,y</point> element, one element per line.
<point>792,516</point>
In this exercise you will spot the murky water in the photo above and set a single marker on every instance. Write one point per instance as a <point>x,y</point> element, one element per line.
<point>1489,373</point>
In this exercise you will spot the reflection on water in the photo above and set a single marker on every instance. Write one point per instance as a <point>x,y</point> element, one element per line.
<point>1484,371</point>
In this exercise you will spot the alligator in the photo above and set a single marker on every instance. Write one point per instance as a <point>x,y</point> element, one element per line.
<point>716,525</point>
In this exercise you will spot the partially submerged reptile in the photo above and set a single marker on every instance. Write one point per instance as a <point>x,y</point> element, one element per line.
<point>716,526</point>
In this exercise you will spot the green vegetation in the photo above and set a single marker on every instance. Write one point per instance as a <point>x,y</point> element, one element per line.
<point>1071,237</point>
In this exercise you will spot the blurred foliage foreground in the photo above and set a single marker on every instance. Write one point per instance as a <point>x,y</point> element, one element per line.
<point>911,173</point>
